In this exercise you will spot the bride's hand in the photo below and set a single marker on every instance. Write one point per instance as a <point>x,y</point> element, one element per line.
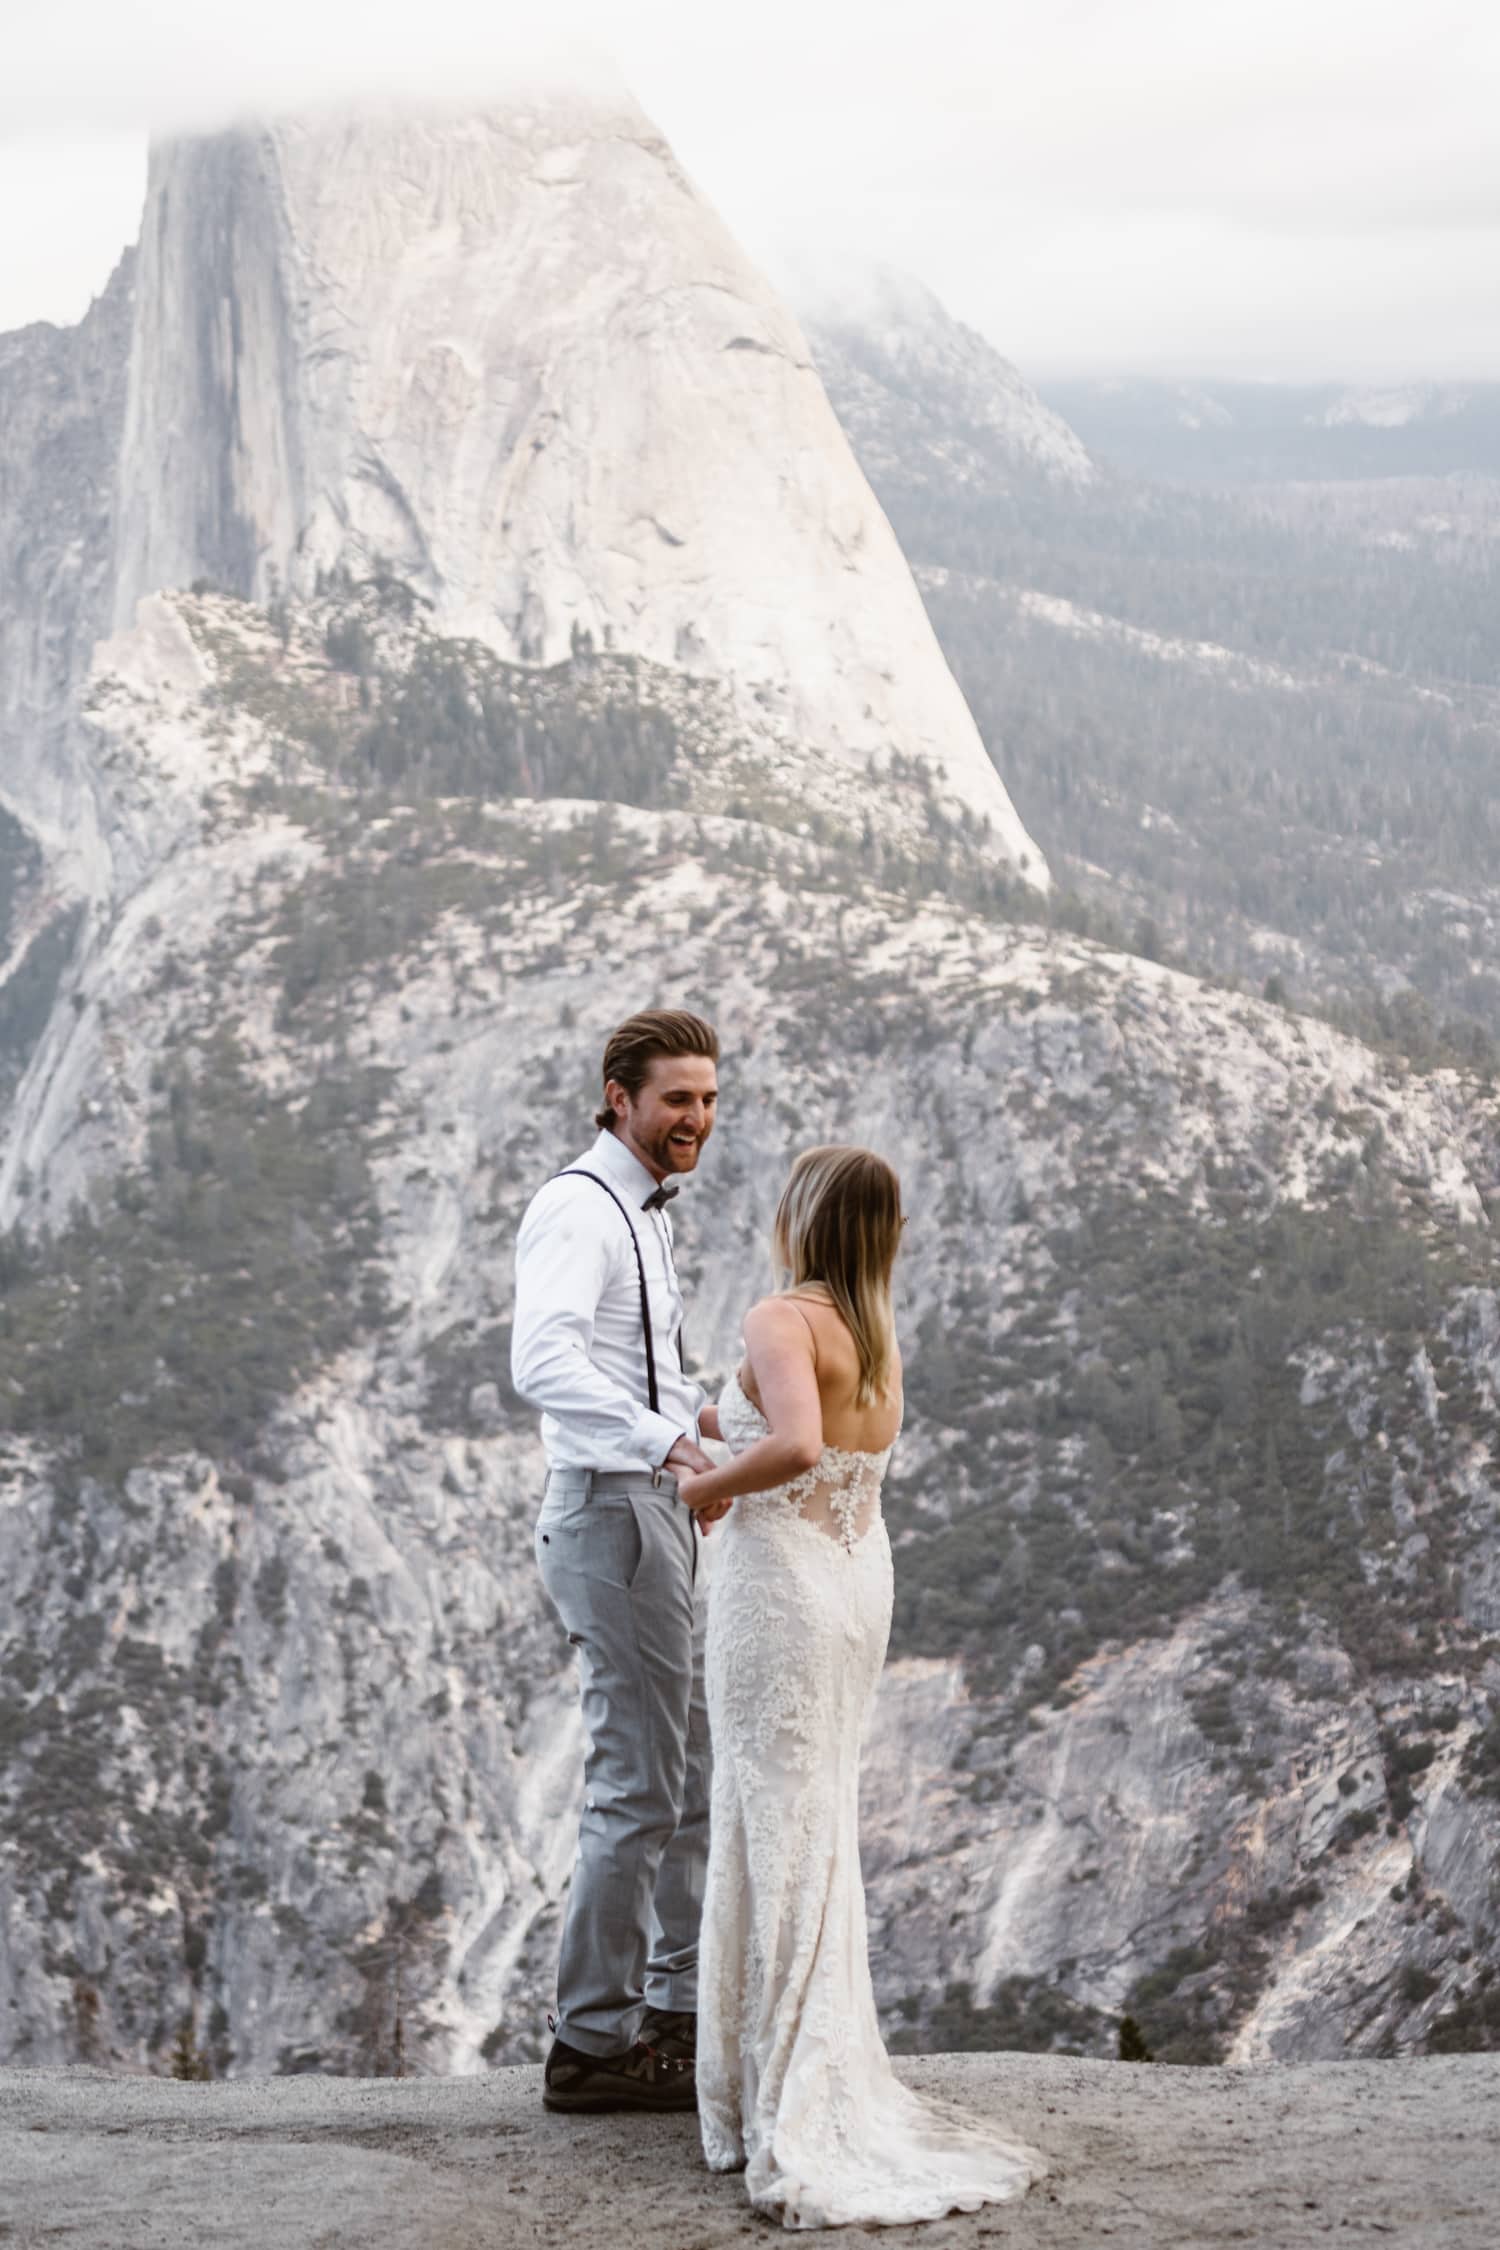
<point>707,1511</point>
<point>690,1481</point>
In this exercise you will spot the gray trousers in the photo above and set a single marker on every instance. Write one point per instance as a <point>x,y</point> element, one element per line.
<point>618,1557</point>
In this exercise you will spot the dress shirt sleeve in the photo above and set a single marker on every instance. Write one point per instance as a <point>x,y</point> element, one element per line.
<point>563,1264</point>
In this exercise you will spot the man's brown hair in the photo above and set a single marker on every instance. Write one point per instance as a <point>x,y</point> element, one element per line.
<point>635,1044</point>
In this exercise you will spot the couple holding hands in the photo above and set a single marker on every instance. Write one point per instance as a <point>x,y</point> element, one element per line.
<point>714,1952</point>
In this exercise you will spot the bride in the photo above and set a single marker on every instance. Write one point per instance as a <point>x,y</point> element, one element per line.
<point>794,2083</point>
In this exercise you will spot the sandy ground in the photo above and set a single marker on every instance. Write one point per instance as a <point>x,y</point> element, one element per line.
<point>1142,2155</point>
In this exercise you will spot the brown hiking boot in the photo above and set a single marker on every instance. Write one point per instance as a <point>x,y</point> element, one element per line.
<point>640,2078</point>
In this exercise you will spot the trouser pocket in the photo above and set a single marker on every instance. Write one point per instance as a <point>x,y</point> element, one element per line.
<point>589,1547</point>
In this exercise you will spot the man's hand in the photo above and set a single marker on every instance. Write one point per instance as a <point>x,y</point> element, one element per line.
<point>687,1458</point>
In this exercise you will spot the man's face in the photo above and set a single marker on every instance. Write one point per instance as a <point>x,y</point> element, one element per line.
<point>668,1121</point>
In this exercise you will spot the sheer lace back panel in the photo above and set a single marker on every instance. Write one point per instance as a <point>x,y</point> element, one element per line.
<point>839,1495</point>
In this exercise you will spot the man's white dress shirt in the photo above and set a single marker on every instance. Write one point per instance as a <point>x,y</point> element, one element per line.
<point>577,1347</point>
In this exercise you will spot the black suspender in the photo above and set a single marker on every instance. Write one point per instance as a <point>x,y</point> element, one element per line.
<point>576,1172</point>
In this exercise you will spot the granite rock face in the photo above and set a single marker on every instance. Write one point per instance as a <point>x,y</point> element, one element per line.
<point>291,1744</point>
<point>515,359</point>
<point>62,409</point>
<point>1113,1835</point>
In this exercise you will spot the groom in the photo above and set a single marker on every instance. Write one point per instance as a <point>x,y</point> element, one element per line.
<point>597,1345</point>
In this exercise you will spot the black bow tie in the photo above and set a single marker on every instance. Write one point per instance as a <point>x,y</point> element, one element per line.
<point>659,1197</point>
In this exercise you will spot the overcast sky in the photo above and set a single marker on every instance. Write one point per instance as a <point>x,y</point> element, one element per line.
<point>1303,188</point>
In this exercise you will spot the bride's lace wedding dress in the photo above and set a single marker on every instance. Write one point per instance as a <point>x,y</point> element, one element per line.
<point>794,2082</point>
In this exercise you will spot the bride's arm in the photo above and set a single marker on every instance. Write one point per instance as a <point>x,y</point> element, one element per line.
<point>708,1424</point>
<point>783,1357</point>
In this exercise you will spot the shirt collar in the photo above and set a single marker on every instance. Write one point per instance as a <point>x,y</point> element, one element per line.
<point>613,1159</point>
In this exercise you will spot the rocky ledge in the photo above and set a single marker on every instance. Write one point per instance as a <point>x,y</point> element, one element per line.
<point>1149,2156</point>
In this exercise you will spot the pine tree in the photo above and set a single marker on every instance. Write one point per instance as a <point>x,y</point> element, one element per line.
<point>1133,2046</point>
<point>188,2059</point>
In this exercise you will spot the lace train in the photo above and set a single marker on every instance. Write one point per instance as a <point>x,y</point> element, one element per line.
<point>794,2083</point>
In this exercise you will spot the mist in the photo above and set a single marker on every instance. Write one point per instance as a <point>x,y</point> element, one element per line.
<point>1297,197</point>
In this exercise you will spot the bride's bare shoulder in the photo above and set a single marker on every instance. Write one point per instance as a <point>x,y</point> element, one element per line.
<point>774,1316</point>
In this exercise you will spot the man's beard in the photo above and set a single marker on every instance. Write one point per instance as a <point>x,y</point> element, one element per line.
<point>668,1156</point>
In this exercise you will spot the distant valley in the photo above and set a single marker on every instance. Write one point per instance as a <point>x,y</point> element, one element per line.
<point>1218,433</point>
<point>1256,729</point>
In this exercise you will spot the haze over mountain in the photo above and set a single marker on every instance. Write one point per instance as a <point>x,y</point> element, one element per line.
<point>919,393</point>
<point>1257,721</point>
<point>323,876</point>
<point>1218,432</point>
<point>1295,193</point>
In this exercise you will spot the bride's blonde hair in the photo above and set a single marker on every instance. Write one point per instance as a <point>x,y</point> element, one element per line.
<point>839,1224</point>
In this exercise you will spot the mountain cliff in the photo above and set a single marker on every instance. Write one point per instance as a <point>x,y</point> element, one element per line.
<point>924,397</point>
<point>1195,1517</point>
<point>62,410</point>
<point>515,359</point>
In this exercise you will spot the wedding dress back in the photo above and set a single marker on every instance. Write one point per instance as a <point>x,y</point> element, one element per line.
<point>794,2083</point>
<point>839,1495</point>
